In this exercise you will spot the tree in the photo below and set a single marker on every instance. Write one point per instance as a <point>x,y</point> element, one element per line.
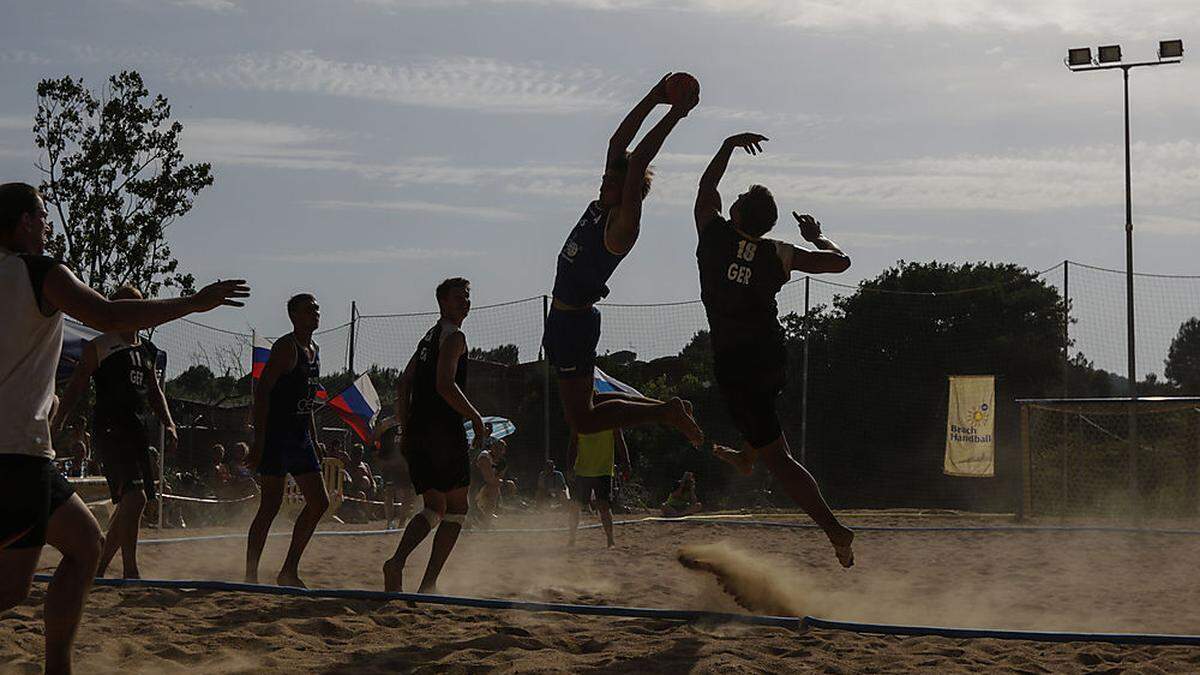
<point>504,354</point>
<point>1183,357</point>
<point>115,177</point>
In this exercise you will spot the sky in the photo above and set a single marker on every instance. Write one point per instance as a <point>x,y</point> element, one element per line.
<point>366,150</point>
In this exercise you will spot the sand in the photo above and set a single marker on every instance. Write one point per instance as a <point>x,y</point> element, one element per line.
<point>1042,581</point>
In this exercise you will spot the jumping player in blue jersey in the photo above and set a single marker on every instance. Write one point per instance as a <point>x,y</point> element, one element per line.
<point>604,235</point>
<point>740,274</point>
<point>285,436</point>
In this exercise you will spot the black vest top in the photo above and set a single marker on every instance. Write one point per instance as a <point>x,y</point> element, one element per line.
<point>739,279</point>
<point>429,410</point>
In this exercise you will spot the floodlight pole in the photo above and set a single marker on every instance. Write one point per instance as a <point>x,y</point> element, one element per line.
<point>1130,339</point>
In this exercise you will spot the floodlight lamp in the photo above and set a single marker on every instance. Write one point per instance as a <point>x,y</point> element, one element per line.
<point>1108,54</point>
<point>1170,49</point>
<point>1081,56</point>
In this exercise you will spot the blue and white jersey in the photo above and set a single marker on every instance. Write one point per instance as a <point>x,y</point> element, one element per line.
<point>585,264</point>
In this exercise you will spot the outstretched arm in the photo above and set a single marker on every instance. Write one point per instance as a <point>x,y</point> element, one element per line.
<point>64,291</point>
<point>708,199</point>
<point>623,136</point>
<point>622,235</point>
<point>827,258</point>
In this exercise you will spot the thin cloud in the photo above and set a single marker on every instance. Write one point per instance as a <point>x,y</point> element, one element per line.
<point>1078,17</point>
<point>409,206</point>
<point>368,255</point>
<point>457,83</point>
<point>263,144</point>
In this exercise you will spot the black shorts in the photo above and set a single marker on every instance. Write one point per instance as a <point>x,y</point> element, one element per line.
<point>570,339</point>
<point>750,381</point>
<point>125,455</point>
<point>585,486</point>
<point>31,489</point>
<point>437,460</point>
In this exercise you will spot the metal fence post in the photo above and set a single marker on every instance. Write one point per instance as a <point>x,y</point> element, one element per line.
<point>545,383</point>
<point>1066,328</point>
<point>804,384</point>
<point>353,328</point>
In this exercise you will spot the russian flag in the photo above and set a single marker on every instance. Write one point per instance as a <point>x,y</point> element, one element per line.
<point>262,352</point>
<point>358,405</point>
<point>602,382</point>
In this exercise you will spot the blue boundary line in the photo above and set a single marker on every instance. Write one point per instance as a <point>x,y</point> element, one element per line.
<point>735,523</point>
<point>653,613</point>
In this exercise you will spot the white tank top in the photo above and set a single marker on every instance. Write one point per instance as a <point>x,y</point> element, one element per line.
<point>30,344</point>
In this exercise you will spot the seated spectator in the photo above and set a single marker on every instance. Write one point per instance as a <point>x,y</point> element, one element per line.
<point>682,501</point>
<point>486,482</point>
<point>237,478</point>
<point>360,472</point>
<point>215,471</point>
<point>552,486</point>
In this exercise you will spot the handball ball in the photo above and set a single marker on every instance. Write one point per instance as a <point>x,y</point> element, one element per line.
<point>681,87</point>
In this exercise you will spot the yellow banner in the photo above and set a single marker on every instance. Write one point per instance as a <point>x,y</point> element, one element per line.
<point>970,425</point>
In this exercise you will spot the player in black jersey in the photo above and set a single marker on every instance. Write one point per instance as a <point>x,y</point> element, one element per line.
<point>740,274</point>
<point>123,366</point>
<point>431,408</point>
<point>285,436</point>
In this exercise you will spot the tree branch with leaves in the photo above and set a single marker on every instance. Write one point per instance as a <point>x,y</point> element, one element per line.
<point>116,178</point>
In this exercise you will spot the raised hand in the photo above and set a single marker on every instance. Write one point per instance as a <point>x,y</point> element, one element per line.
<point>810,228</point>
<point>658,93</point>
<point>222,293</point>
<point>749,141</point>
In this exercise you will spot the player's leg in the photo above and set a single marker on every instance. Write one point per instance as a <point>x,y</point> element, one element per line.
<point>577,495</point>
<point>132,505</point>
<point>142,494</point>
<point>803,489</point>
<point>269,501</point>
<point>445,537</point>
<point>570,339</point>
<point>587,417</point>
<point>316,502</point>
<point>24,516</point>
<point>415,532</point>
<point>76,534</point>
<point>604,505</point>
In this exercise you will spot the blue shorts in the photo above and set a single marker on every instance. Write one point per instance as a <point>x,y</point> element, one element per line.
<point>570,340</point>
<point>282,456</point>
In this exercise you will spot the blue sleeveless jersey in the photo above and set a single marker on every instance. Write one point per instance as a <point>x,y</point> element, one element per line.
<point>585,264</point>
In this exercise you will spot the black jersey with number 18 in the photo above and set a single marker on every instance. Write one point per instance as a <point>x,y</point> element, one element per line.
<point>739,279</point>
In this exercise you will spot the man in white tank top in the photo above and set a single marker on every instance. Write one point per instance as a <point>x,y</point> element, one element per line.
<point>37,504</point>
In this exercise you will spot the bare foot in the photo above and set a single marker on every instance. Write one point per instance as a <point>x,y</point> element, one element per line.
<point>611,543</point>
<point>742,461</point>
<point>393,576</point>
<point>679,416</point>
<point>251,577</point>
<point>842,539</point>
<point>290,579</point>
